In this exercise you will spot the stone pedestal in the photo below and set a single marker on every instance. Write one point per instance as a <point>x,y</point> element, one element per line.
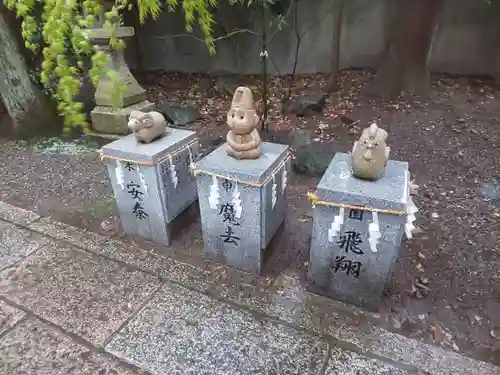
<point>357,231</point>
<point>152,182</point>
<point>109,117</point>
<point>242,204</point>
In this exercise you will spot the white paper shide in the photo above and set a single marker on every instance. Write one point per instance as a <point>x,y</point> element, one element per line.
<point>173,172</point>
<point>410,218</point>
<point>142,179</point>
<point>237,202</point>
<point>120,178</point>
<point>213,198</point>
<point>284,179</point>
<point>336,225</point>
<point>273,192</point>
<point>374,232</point>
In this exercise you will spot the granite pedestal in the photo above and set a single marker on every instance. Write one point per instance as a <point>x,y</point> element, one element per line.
<point>152,182</point>
<point>242,204</point>
<point>354,250</point>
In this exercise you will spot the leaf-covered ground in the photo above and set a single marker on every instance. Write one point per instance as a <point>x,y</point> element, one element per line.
<point>446,288</point>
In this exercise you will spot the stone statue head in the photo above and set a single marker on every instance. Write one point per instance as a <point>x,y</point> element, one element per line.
<point>242,117</point>
<point>372,142</point>
<point>370,154</point>
<point>147,126</point>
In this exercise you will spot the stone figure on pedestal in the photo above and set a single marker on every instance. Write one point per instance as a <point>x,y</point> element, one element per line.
<point>147,127</point>
<point>370,154</point>
<point>243,139</point>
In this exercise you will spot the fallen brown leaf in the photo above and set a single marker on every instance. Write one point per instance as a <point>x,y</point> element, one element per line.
<point>436,333</point>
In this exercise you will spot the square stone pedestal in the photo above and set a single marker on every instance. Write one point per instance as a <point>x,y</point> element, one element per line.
<point>242,204</point>
<point>152,182</point>
<point>357,231</point>
<point>114,120</point>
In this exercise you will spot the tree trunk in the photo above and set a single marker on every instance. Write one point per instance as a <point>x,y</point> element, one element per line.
<point>332,84</point>
<point>30,110</point>
<point>410,29</point>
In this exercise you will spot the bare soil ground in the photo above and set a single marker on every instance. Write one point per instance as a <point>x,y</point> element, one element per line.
<point>451,140</point>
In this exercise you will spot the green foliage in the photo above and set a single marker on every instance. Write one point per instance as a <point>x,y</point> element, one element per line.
<point>61,30</point>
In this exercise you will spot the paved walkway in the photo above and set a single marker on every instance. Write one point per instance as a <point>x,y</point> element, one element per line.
<point>73,302</point>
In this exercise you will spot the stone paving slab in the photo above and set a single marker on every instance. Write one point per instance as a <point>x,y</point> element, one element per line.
<point>16,215</point>
<point>148,261</point>
<point>286,299</point>
<point>85,294</point>
<point>184,332</point>
<point>344,362</point>
<point>9,316</point>
<point>34,348</point>
<point>17,243</point>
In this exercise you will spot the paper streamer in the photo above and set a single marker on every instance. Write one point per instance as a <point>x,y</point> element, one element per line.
<point>213,199</point>
<point>336,225</point>
<point>284,178</point>
<point>374,230</point>
<point>274,192</point>
<point>237,202</point>
<point>191,160</point>
<point>173,172</point>
<point>410,218</point>
<point>119,174</point>
<point>143,180</point>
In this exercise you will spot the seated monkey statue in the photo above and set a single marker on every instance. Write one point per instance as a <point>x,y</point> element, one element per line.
<point>147,126</point>
<point>243,139</point>
<point>370,154</point>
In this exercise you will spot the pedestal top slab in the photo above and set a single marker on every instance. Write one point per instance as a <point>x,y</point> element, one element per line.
<point>249,170</point>
<point>390,192</point>
<point>129,148</point>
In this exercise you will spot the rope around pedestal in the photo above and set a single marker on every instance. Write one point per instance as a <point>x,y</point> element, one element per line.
<point>316,201</point>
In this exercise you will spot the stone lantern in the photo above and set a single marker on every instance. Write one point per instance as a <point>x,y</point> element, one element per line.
<point>109,117</point>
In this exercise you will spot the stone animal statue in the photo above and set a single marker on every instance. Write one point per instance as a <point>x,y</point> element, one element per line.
<point>243,139</point>
<point>370,154</point>
<point>147,126</point>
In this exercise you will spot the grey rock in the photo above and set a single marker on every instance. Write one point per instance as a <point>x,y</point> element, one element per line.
<point>305,105</point>
<point>301,138</point>
<point>177,114</point>
<point>312,160</point>
<point>490,191</point>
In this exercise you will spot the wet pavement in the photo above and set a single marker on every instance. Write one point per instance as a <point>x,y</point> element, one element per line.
<point>74,302</point>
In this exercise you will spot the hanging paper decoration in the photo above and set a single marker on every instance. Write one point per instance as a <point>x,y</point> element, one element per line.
<point>173,172</point>
<point>273,192</point>
<point>374,230</point>
<point>191,160</point>
<point>237,201</point>
<point>213,199</point>
<point>410,218</point>
<point>143,180</point>
<point>284,178</point>
<point>335,227</point>
<point>119,174</point>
